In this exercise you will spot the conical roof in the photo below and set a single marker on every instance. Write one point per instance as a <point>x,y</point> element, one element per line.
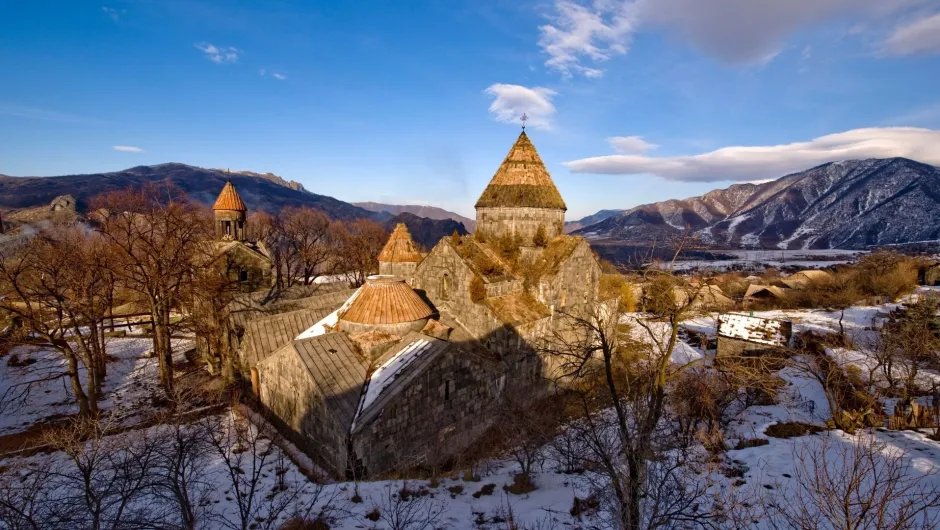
<point>400,247</point>
<point>522,181</point>
<point>386,300</point>
<point>229,200</point>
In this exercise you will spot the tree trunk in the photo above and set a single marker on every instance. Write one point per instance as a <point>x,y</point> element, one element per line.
<point>80,397</point>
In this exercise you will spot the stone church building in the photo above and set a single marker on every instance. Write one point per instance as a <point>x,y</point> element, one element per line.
<point>408,370</point>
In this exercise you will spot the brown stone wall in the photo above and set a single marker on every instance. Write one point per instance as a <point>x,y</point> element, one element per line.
<point>429,279</point>
<point>401,329</point>
<point>732,346</point>
<point>439,414</point>
<point>576,282</point>
<point>230,224</point>
<point>287,390</point>
<point>251,270</point>
<point>495,222</point>
<point>402,270</point>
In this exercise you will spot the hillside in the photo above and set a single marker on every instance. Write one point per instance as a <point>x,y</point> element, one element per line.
<point>850,204</point>
<point>426,232</point>
<point>266,192</point>
<point>571,226</point>
<point>430,212</point>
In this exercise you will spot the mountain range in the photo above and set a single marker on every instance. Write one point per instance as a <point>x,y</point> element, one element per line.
<point>32,196</point>
<point>430,212</point>
<point>850,204</point>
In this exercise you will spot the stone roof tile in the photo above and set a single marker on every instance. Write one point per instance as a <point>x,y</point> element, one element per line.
<point>229,200</point>
<point>400,247</point>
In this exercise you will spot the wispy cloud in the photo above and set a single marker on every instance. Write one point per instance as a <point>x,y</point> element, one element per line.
<point>630,144</point>
<point>750,163</point>
<point>512,101</point>
<point>921,36</point>
<point>127,149</point>
<point>32,113</point>
<point>276,75</point>
<point>114,14</point>
<point>218,55</point>
<point>579,33</point>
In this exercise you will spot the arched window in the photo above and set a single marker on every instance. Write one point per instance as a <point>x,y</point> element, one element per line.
<point>446,286</point>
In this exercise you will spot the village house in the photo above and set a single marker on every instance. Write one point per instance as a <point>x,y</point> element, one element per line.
<point>408,371</point>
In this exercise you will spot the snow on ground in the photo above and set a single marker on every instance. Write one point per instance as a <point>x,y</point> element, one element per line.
<point>131,380</point>
<point>759,259</point>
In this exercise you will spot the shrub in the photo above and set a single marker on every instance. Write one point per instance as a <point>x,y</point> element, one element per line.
<point>745,443</point>
<point>540,239</point>
<point>374,515</point>
<point>455,490</point>
<point>487,489</point>
<point>477,290</point>
<point>299,523</point>
<point>792,429</point>
<point>586,506</point>
<point>521,484</point>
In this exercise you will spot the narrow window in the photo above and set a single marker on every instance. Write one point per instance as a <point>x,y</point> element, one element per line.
<point>447,384</point>
<point>445,287</point>
<point>243,275</point>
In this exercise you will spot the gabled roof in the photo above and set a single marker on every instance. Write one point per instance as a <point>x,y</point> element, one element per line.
<point>396,372</point>
<point>400,247</point>
<point>522,181</point>
<point>760,290</point>
<point>229,200</point>
<point>264,336</point>
<point>558,250</point>
<point>338,371</point>
<point>386,300</point>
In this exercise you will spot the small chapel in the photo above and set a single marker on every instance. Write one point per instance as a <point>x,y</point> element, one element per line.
<point>409,368</point>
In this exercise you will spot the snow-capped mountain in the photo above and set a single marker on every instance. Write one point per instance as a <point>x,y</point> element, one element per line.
<point>850,204</point>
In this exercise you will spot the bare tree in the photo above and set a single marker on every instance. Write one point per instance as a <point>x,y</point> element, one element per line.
<point>269,231</point>
<point>855,484</point>
<point>104,480</point>
<point>28,500</point>
<point>55,285</point>
<point>213,290</point>
<point>359,245</point>
<point>154,234</point>
<point>249,454</point>
<point>309,235</point>
<point>403,509</point>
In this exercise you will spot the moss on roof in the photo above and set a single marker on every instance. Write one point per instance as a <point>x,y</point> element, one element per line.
<point>522,181</point>
<point>517,308</point>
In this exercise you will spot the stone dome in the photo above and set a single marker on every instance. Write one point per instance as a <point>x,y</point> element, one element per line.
<point>388,304</point>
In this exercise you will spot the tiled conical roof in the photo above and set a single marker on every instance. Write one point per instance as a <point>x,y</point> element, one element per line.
<point>386,300</point>
<point>400,247</point>
<point>229,200</point>
<point>522,181</point>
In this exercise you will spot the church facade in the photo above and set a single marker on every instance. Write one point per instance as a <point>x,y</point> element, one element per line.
<point>410,369</point>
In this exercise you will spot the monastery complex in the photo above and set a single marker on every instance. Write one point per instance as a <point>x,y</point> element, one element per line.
<point>408,369</point>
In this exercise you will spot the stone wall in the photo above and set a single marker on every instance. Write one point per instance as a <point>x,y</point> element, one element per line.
<point>251,270</point>
<point>445,279</point>
<point>576,282</point>
<point>287,390</point>
<point>495,222</point>
<point>440,413</point>
<point>230,224</point>
<point>403,270</point>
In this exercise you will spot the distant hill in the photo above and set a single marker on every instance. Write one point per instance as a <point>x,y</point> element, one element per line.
<point>260,191</point>
<point>426,232</point>
<point>431,212</point>
<point>851,205</point>
<point>571,226</point>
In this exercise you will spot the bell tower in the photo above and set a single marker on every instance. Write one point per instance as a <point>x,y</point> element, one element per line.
<point>230,212</point>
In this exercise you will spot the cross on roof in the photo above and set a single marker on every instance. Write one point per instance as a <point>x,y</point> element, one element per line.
<point>524,118</point>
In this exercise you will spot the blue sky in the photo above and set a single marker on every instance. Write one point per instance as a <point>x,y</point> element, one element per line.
<point>407,101</point>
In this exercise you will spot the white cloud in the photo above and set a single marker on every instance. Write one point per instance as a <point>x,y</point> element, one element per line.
<point>279,77</point>
<point>579,32</point>
<point>512,101</point>
<point>752,163</point>
<point>114,14</point>
<point>218,55</point>
<point>918,37</point>
<point>127,149</point>
<point>630,144</point>
<point>582,33</point>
